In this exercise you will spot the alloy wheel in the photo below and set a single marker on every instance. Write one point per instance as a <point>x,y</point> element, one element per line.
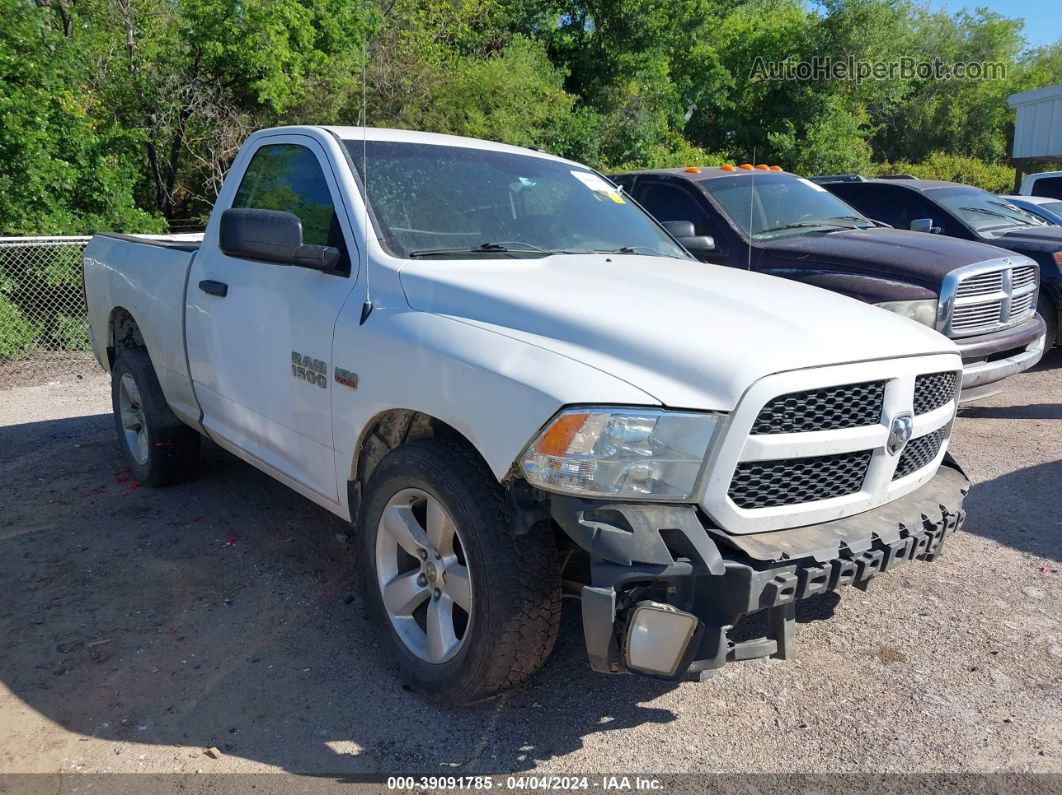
<point>423,575</point>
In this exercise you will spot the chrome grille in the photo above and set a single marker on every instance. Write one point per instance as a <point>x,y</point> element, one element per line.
<point>1021,304</point>
<point>988,296</point>
<point>847,406</point>
<point>1023,276</point>
<point>985,284</point>
<point>977,316</point>
<point>919,452</point>
<point>933,390</point>
<point>768,484</point>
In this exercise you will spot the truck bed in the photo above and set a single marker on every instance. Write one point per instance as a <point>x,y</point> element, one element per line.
<point>144,277</point>
<point>189,243</point>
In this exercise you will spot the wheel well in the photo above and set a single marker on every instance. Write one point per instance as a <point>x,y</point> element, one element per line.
<point>123,330</point>
<point>383,434</point>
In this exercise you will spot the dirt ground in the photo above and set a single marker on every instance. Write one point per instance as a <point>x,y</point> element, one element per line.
<point>140,628</point>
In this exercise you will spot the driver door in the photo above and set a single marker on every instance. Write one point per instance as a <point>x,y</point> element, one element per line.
<point>260,344</point>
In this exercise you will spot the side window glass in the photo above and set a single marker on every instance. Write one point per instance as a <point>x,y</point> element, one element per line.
<point>288,177</point>
<point>878,202</point>
<point>669,203</point>
<point>1051,187</point>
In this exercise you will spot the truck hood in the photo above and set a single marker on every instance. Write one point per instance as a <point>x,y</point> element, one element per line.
<point>1041,238</point>
<point>688,334</point>
<point>912,256</point>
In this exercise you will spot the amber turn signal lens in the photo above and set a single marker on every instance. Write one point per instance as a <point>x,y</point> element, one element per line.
<point>559,437</point>
<point>692,170</point>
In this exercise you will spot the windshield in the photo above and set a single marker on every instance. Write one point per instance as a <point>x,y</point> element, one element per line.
<point>982,210</point>
<point>774,205</point>
<point>440,202</point>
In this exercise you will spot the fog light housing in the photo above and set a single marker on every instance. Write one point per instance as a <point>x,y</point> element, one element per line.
<point>660,639</point>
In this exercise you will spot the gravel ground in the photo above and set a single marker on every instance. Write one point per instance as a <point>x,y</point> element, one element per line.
<point>143,627</point>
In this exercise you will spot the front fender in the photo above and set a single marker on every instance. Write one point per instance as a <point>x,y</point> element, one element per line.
<point>495,391</point>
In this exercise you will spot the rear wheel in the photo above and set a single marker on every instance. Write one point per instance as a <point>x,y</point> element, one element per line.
<point>158,447</point>
<point>1049,312</point>
<point>465,607</point>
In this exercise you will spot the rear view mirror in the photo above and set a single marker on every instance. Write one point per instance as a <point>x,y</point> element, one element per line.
<point>273,236</point>
<point>924,225</point>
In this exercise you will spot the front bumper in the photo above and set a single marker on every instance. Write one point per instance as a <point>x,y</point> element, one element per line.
<point>987,360</point>
<point>666,553</point>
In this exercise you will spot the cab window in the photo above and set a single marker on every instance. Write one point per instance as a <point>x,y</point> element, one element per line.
<point>671,203</point>
<point>288,177</point>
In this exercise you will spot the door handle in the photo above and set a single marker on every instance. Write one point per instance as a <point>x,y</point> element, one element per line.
<point>219,289</point>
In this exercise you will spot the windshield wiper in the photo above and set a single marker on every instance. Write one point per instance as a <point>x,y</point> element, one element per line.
<point>996,214</point>
<point>1032,221</point>
<point>858,219</point>
<point>645,251</point>
<point>799,225</point>
<point>485,248</point>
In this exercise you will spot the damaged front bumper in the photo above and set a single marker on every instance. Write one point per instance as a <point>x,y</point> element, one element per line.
<point>668,555</point>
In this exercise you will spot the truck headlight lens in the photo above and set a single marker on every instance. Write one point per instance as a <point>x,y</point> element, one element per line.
<point>633,453</point>
<point>924,312</point>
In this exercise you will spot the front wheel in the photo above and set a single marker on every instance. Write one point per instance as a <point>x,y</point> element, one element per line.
<point>466,607</point>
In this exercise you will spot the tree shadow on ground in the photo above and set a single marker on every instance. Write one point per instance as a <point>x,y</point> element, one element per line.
<point>223,612</point>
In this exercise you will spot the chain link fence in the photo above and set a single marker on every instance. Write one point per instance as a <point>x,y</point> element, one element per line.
<point>43,330</point>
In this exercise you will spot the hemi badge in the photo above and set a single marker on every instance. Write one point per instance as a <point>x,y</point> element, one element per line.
<point>346,378</point>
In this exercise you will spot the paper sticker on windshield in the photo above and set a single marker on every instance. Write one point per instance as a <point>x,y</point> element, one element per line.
<point>811,184</point>
<point>598,186</point>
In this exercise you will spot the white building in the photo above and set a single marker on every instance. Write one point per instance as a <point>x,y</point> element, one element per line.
<point>1038,127</point>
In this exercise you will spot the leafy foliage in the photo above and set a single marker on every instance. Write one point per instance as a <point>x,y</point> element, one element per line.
<point>125,114</point>
<point>992,177</point>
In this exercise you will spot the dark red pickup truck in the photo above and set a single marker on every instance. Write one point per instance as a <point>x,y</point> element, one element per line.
<point>774,222</point>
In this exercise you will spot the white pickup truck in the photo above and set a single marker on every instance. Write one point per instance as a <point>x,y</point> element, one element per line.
<point>517,385</point>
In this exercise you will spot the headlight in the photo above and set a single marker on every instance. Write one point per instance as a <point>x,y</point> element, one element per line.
<point>634,453</point>
<point>925,312</point>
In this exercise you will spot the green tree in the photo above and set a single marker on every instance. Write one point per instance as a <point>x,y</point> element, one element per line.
<point>65,167</point>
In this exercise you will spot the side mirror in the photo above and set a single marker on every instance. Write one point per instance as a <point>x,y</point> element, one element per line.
<point>685,233</point>
<point>698,244</point>
<point>679,228</point>
<point>273,236</point>
<point>924,225</point>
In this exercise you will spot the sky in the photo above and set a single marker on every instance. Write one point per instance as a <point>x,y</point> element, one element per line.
<point>1043,18</point>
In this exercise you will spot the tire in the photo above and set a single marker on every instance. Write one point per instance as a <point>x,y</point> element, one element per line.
<point>158,447</point>
<point>1049,312</point>
<point>514,589</point>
